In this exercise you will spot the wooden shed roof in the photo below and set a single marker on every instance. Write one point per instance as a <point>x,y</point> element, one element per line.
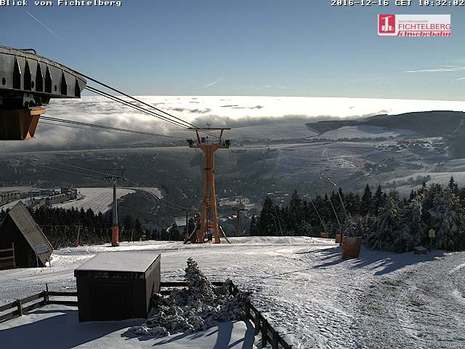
<point>31,231</point>
<point>131,262</point>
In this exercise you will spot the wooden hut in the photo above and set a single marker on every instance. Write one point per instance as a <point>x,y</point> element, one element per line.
<point>22,242</point>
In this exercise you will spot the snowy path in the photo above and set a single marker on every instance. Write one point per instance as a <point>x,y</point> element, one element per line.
<point>318,300</point>
<point>423,305</point>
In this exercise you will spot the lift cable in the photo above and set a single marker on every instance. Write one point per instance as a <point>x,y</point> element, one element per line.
<point>136,107</point>
<point>109,128</point>
<point>154,196</point>
<point>68,171</point>
<point>86,126</point>
<point>86,169</point>
<point>169,203</point>
<point>135,99</point>
<point>145,110</point>
<point>103,174</point>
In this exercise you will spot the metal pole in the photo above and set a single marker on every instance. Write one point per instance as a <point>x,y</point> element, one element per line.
<point>318,214</point>
<point>115,227</point>
<point>335,214</point>
<point>339,195</point>
<point>187,225</point>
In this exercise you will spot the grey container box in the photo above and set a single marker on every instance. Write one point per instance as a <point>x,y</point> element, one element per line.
<point>117,286</point>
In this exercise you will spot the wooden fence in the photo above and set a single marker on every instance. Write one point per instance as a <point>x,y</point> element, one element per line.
<point>268,334</point>
<point>24,305</point>
<point>21,306</point>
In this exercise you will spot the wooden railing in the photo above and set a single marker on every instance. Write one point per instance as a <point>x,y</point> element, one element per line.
<point>268,334</point>
<point>262,326</point>
<point>24,305</point>
<point>21,306</point>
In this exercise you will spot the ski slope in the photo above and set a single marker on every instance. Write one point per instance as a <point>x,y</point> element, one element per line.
<point>97,199</point>
<point>100,199</point>
<point>305,289</point>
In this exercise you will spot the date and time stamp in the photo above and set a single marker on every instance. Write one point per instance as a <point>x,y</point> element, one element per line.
<point>333,3</point>
<point>399,3</point>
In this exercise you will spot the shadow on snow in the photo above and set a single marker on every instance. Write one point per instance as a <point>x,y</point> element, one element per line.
<point>50,329</point>
<point>381,261</point>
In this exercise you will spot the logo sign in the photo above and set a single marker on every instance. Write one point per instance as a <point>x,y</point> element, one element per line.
<point>414,25</point>
<point>387,25</point>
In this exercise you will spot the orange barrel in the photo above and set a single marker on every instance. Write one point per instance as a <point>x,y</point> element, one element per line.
<point>338,238</point>
<point>351,247</point>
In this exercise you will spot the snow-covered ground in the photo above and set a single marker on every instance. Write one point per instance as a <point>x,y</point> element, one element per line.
<point>39,330</point>
<point>18,189</point>
<point>305,289</point>
<point>97,199</point>
<point>363,132</point>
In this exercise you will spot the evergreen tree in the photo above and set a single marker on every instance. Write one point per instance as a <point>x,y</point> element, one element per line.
<point>253,226</point>
<point>453,186</point>
<point>365,203</point>
<point>378,201</point>
<point>390,232</point>
<point>267,220</point>
<point>295,215</point>
<point>448,219</point>
<point>139,231</point>
<point>128,228</point>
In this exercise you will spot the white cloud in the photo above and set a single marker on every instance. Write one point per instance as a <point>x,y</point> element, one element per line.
<point>436,70</point>
<point>213,83</point>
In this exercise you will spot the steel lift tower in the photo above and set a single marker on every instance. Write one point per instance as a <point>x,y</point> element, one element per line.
<point>209,211</point>
<point>115,218</point>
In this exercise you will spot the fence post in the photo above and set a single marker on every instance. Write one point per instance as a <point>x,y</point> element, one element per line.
<point>46,297</point>
<point>19,306</point>
<point>275,338</point>
<point>258,323</point>
<point>264,332</point>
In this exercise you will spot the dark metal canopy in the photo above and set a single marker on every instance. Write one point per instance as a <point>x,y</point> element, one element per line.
<point>28,79</point>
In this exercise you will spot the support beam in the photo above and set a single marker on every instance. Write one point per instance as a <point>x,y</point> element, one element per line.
<point>19,124</point>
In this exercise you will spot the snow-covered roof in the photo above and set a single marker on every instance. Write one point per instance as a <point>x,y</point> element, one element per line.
<point>136,262</point>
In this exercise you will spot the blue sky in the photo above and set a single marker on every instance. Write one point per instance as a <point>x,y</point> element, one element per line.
<point>259,47</point>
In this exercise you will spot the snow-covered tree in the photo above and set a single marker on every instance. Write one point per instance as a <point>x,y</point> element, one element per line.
<point>195,308</point>
<point>448,220</point>
<point>391,231</point>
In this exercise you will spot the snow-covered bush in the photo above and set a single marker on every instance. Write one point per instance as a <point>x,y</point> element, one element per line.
<point>195,308</point>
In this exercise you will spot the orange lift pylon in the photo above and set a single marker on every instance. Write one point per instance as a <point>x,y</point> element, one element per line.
<point>209,223</point>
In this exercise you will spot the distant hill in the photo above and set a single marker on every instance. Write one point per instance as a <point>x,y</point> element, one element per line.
<point>427,123</point>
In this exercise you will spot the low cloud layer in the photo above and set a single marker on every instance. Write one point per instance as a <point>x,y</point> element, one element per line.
<point>229,111</point>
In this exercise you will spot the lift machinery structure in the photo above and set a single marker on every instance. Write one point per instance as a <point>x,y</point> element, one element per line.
<point>27,83</point>
<point>209,222</point>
